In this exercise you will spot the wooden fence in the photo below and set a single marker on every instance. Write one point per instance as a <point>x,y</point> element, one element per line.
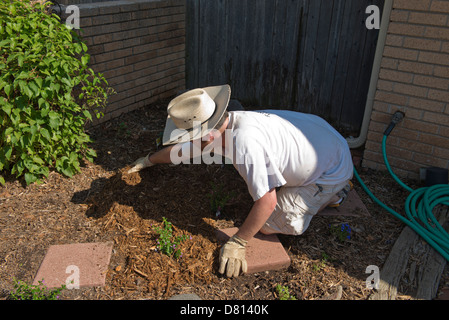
<point>312,56</point>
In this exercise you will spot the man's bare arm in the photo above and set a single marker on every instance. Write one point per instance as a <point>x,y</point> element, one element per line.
<point>258,215</point>
<point>162,156</point>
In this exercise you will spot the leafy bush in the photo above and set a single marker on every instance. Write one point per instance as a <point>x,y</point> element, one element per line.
<point>47,93</point>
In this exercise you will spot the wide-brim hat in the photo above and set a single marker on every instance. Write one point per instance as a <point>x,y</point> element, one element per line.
<point>195,113</point>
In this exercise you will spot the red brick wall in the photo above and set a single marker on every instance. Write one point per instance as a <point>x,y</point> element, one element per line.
<point>139,46</point>
<point>414,78</point>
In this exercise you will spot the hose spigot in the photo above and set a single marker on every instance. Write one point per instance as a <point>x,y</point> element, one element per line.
<point>397,117</point>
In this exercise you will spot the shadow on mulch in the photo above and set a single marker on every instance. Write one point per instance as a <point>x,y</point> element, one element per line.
<point>132,204</point>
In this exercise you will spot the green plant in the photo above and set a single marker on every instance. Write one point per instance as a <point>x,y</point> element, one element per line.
<point>47,93</point>
<point>167,243</point>
<point>322,263</point>
<point>218,198</point>
<point>123,130</point>
<point>284,293</point>
<point>341,231</point>
<point>24,291</point>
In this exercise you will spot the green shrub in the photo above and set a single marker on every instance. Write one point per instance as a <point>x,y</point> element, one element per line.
<point>47,93</point>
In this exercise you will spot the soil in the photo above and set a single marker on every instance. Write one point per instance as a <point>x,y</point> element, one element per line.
<point>103,203</point>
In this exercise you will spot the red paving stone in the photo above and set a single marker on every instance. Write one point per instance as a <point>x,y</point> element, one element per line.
<point>353,206</point>
<point>88,260</point>
<point>263,252</point>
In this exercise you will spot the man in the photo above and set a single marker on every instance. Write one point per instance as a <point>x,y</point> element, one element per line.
<point>294,164</point>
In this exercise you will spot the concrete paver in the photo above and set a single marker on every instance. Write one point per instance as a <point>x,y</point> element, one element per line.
<point>82,264</point>
<point>263,252</point>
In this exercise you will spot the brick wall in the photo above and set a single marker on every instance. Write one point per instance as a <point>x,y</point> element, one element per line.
<point>139,46</point>
<point>414,78</point>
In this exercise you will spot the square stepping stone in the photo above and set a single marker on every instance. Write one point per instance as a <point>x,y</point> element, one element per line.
<point>353,206</point>
<point>75,265</point>
<point>263,252</point>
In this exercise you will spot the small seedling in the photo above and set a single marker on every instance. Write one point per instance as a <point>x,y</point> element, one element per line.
<point>324,259</point>
<point>342,232</point>
<point>167,243</point>
<point>218,198</point>
<point>24,291</point>
<point>123,130</point>
<point>284,293</point>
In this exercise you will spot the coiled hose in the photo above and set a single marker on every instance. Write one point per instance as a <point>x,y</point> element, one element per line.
<point>419,204</point>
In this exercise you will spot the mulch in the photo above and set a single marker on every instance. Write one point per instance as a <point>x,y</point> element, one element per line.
<point>104,203</point>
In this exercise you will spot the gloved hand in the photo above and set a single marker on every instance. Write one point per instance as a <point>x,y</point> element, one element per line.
<point>232,257</point>
<point>140,164</point>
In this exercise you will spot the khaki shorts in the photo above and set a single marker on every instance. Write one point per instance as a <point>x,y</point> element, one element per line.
<point>296,207</point>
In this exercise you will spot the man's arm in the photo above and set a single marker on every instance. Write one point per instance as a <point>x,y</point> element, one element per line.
<point>258,215</point>
<point>233,253</point>
<point>163,156</point>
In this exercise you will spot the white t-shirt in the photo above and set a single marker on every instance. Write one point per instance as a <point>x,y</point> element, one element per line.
<point>273,148</point>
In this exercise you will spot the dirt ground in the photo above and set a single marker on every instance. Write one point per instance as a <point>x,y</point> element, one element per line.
<point>104,203</point>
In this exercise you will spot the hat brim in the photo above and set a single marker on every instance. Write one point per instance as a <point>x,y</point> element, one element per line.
<point>173,135</point>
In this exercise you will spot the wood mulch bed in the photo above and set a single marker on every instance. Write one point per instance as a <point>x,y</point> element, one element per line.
<point>104,203</point>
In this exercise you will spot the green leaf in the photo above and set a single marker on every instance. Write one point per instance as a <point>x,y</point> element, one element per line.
<point>55,87</point>
<point>39,82</point>
<point>73,157</point>
<point>41,102</point>
<point>44,171</point>
<point>87,114</point>
<point>2,181</point>
<point>23,75</point>
<point>7,108</point>
<point>18,167</point>
<point>53,115</point>
<point>45,133</point>
<point>67,82</point>
<point>35,88</point>
<point>54,119</point>
<point>8,152</point>
<point>85,59</point>
<point>25,89</point>
<point>38,160</point>
<point>20,60</point>
<point>30,178</point>
<point>8,89</point>
<point>91,152</point>
<point>8,131</point>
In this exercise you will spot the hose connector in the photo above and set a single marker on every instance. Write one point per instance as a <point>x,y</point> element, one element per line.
<point>397,117</point>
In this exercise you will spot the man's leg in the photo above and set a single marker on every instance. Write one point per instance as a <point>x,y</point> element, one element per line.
<point>296,207</point>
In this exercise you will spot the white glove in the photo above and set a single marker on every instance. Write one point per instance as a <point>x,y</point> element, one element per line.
<point>232,257</point>
<point>140,164</point>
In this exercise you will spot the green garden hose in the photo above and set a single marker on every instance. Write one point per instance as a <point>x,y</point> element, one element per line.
<point>419,204</point>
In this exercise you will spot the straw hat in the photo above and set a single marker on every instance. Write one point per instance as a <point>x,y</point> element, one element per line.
<point>194,113</point>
